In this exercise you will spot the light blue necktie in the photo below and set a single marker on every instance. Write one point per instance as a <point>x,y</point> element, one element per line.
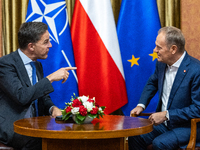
<point>34,82</point>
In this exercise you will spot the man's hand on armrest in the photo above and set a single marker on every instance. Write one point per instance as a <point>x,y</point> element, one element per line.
<point>137,110</point>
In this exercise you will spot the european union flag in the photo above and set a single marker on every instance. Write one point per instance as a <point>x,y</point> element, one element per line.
<point>137,29</point>
<point>54,14</point>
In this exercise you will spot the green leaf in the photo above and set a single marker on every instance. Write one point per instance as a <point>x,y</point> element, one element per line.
<point>102,115</point>
<point>63,113</point>
<point>78,121</point>
<point>65,116</point>
<point>92,116</point>
<point>81,118</point>
<point>103,107</point>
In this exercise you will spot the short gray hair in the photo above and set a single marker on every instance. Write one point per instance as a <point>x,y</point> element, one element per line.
<point>173,36</point>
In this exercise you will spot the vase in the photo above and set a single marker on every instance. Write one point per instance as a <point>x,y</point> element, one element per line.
<point>86,121</point>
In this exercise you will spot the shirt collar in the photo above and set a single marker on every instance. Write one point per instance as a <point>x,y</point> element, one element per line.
<point>25,59</point>
<point>178,62</point>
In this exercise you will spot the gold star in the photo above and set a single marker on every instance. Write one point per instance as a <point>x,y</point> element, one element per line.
<point>154,55</point>
<point>134,61</point>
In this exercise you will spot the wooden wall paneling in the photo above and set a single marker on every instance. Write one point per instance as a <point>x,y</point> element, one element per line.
<point>190,26</point>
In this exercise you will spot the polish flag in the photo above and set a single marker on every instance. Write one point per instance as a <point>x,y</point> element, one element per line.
<point>97,54</point>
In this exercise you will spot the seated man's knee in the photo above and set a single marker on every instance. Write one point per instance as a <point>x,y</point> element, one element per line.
<point>164,144</point>
<point>157,144</point>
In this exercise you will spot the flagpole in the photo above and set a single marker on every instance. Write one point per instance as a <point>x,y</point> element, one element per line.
<point>67,60</point>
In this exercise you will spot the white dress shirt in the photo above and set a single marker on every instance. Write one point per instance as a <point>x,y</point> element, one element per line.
<point>170,75</point>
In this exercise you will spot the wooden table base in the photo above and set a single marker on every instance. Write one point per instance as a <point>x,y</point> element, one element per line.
<point>83,144</point>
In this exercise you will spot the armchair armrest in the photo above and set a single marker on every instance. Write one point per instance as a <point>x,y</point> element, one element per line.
<point>141,114</point>
<point>193,134</point>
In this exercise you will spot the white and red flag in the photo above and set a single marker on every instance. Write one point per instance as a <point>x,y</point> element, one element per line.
<point>97,54</point>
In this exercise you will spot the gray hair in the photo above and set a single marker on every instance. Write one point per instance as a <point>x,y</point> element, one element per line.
<point>173,36</point>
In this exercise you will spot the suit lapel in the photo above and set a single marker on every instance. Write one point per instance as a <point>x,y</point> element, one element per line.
<point>161,75</point>
<point>182,71</point>
<point>21,68</point>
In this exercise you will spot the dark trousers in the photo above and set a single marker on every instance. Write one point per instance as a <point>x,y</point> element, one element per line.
<point>21,142</point>
<point>161,138</point>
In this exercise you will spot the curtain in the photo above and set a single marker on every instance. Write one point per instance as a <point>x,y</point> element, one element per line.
<point>169,12</point>
<point>14,13</point>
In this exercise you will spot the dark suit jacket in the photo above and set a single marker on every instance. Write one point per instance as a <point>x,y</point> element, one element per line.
<point>17,93</point>
<point>184,99</point>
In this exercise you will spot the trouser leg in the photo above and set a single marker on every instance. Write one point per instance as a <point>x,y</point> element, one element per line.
<point>142,141</point>
<point>136,143</point>
<point>166,141</point>
<point>22,142</point>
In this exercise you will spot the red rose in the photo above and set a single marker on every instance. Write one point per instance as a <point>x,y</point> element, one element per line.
<point>68,109</point>
<point>96,105</point>
<point>76,103</point>
<point>83,110</point>
<point>90,100</point>
<point>94,111</point>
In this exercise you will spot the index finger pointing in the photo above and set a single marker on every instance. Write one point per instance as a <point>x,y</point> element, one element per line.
<point>71,68</point>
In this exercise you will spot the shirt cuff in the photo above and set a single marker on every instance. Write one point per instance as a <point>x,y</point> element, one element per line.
<point>141,105</point>
<point>167,115</point>
<point>50,112</point>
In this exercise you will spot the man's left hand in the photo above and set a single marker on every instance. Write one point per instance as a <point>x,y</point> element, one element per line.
<point>158,118</point>
<point>55,112</point>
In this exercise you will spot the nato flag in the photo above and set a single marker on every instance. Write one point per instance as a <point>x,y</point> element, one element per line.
<point>54,14</point>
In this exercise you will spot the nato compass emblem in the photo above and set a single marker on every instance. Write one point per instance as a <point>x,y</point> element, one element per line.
<point>53,14</point>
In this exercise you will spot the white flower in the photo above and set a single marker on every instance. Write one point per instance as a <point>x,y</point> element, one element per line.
<point>100,109</point>
<point>88,106</point>
<point>75,110</point>
<point>83,98</point>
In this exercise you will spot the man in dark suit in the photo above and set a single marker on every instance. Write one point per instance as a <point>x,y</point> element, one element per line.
<point>17,92</point>
<point>177,80</point>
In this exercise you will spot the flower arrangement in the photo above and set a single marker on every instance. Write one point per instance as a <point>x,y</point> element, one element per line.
<point>82,107</point>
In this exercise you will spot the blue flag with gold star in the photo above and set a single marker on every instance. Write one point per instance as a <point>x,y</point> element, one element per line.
<point>54,14</point>
<point>137,28</point>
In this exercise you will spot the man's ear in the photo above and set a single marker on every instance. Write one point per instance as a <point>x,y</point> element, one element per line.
<point>31,47</point>
<point>174,49</point>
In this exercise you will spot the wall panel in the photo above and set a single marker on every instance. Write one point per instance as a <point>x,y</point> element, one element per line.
<point>190,26</point>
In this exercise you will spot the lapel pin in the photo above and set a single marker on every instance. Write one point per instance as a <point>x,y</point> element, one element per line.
<point>184,71</point>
